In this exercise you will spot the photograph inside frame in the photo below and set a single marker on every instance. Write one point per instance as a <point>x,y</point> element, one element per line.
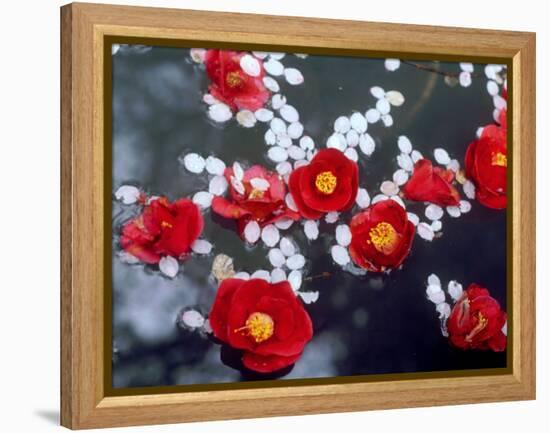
<point>285,216</point>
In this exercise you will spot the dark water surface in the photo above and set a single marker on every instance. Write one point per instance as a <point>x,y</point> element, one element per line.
<point>362,325</point>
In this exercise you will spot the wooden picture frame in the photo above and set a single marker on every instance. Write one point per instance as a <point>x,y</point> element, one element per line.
<point>84,29</point>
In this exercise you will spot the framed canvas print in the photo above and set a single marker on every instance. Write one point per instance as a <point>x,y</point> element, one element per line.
<point>305,216</point>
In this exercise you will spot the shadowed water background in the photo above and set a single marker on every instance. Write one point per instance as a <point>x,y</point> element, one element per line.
<point>362,325</point>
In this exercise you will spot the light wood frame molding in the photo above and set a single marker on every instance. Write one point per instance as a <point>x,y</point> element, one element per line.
<point>84,403</point>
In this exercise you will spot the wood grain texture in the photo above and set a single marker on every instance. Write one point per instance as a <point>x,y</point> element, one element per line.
<point>84,26</point>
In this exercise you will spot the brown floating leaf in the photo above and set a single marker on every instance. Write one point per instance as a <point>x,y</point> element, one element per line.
<point>222,267</point>
<point>460,177</point>
<point>451,81</point>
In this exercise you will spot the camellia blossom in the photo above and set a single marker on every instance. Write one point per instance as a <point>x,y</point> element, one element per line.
<point>163,229</point>
<point>259,196</point>
<point>381,236</point>
<point>267,321</point>
<point>486,163</point>
<point>328,183</point>
<point>476,321</point>
<point>232,85</point>
<point>431,184</point>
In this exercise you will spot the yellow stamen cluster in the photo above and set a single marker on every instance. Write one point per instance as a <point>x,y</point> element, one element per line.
<point>384,237</point>
<point>255,193</point>
<point>233,79</point>
<point>326,182</point>
<point>166,224</point>
<point>499,159</point>
<point>259,326</point>
<point>481,324</point>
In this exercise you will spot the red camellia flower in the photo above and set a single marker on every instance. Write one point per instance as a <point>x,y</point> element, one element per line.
<point>328,183</point>
<point>163,229</point>
<point>259,196</point>
<point>266,321</point>
<point>476,321</point>
<point>231,85</point>
<point>431,184</point>
<point>381,236</point>
<point>486,163</point>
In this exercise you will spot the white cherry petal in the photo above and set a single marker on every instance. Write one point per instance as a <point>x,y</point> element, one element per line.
<point>276,257</point>
<point>363,198</point>
<point>296,152</point>
<point>387,120</point>
<point>416,156</point>
<point>295,262</point>
<point>465,206</point>
<point>434,280</point>
<point>454,165</point>
<point>260,54</point>
<point>436,298</point>
<point>246,118</point>
<point>237,185</point>
<point>400,177</point>
<point>295,130</point>
<point>192,319</point>
<point>278,126</point>
<point>469,189</point>
<point>395,98</point>
<point>441,156</point>
<point>436,225</point>
<point>311,230</point>
<point>358,122</point>
<point>250,65</point>
<point>392,64</point>
<point>127,194</point>
<point>287,247</point>
<point>215,166</point>
<point>342,124</point>
<point>284,223</point>
<point>372,115</point>
<point>425,231</point>
<point>194,163</point>
<point>307,143</point>
<point>220,112</point>
<point>270,137</point>
<point>262,274</point>
<point>290,202</point>
<point>293,76</point>
<point>209,99</point>
<point>283,168</point>
<point>295,280</point>
<point>263,114</point>
<point>383,106</point>
<point>271,84</point>
<point>284,141</point>
<point>366,144</point>
<point>127,258</point>
<point>465,79</point>
<point>277,275</point>
<point>270,235</point>
<point>289,113</point>
<point>201,246</point>
<point>337,141</point>
<point>278,101</point>
<point>405,162</point>
<point>399,201</point>
<point>352,138</point>
<point>252,232</point>
<point>331,217</point>
<point>492,88</point>
<point>404,144</point>
<point>274,67</point>
<point>277,154</point>
<point>378,198</point>
<point>500,102</point>
<point>309,297</point>
<point>340,255</point>
<point>203,199</point>
<point>351,154</point>
<point>242,276</point>
<point>343,235</point>
<point>455,289</point>
<point>169,266</point>
<point>504,328</point>
<point>453,211</point>
<point>467,67</point>
<point>259,183</point>
<point>413,218</point>
<point>238,171</point>
<point>389,188</point>
<point>218,185</point>
<point>444,311</point>
<point>433,212</point>
<point>276,55</point>
<point>377,92</point>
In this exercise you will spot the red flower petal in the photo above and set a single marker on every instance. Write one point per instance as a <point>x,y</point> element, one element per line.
<point>431,185</point>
